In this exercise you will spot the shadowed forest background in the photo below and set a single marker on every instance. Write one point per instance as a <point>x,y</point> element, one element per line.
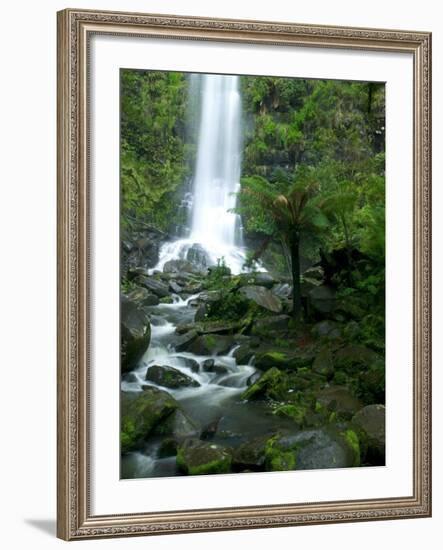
<point>278,365</point>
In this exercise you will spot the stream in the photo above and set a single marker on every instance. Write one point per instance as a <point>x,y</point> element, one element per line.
<point>218,394</point>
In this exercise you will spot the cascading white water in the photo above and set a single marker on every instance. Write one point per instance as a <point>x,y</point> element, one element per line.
<point>213,224</point>
<point>217,173</point>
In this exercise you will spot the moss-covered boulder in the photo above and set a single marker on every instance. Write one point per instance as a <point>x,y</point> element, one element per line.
<point>262,297</point>
<point>177,426</point>
<point>197,457</point>
<point>295,411</point>
<point>142,297</point>
<point>135,332</point>
<point>369,423</point>
<point>140,415</point>
<point>323,363</point>
<point>339,400</point>
<point>211,344</point>
<point>155,285</point>
<point>313,449</point>
<point>285,359</point>
<point>169,377</point>
<point>272,385</point>
<point>275,323</point>
<point>352,357</point>
<point>250,455</point>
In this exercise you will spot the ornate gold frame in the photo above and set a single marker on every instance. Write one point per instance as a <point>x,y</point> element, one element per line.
<point>75,27</point>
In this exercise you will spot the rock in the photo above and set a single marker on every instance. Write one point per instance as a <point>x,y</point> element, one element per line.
<point>264,279</point>
<point>200,313</point>
<point>211,344</point>
<point>183,341</point>
<point>352,357</point>
<point>263,297</point>
<point>282,290</point>
<point>209,365</point>
<point>135,334</point>
<point>169,377</point>
<point>210,296</point>
<point>197,457</point>
<point>322,298</point>
<point>323,363</point>
<point>326,329</point>
<point>198,257</point>
<point>180,266</point>
<point>372,383</point>
<point>295,412</point>
<point>253,378</point>
<point>178,425</point>
<point>263,325</point>
<point>250,455</point>
<point>339,400</point>
<point>175,287</point>
<point>189,363</point>
<point>369,423</point>
<point>284,359</point>
<point>157,287</point>
<point>271,385</point>
<point>313,449</point>
<point>141,413</point>
<point>142,297</point>
<point>209,431</point>
<point>243,354</point>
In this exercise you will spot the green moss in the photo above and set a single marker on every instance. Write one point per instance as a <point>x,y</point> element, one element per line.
<point>296,412</point>
<point>216,464</point>
<point>318,408</point>
<point>353,442</point>
<point>166,300</point>
<point>279,460</point>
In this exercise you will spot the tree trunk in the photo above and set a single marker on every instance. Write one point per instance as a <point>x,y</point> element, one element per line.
<point>295,269</point>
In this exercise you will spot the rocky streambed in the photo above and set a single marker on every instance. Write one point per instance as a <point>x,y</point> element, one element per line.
<point>217,377</point>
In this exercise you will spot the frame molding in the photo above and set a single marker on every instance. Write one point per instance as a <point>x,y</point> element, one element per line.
<point>75,27</point>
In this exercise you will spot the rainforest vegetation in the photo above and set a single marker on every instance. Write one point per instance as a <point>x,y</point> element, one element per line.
<point>307,314</point>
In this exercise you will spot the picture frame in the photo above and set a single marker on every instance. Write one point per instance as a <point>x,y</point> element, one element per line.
<point>76,518</point>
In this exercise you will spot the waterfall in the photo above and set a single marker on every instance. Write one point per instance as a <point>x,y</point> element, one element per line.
<point>214,229</point>
<point>217,171</point>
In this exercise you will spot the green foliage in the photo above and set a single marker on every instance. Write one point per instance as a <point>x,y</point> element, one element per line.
<point>154,152</point>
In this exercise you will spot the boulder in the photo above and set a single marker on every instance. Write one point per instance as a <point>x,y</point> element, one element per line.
<point>181,342</point>
<point>322,298</point>
<point>243,354</point>
<point>326,329</point>
<point>135,332</point>
<point>282,290</point>
<point>369,423</point>
<point>263,325</point>
<point>210,296</point>
<point>169,377</point>
<point>286,359</point>
<point>339,400</point>
<point>159,288</point>
<point>141,413</point>
<point>262,297</point>
<point>197,457</point>
<point>264,279</point>
<point>180,266</point>
<point>250,455</point>
<point>211,344</point>
<point>354,356</point>
<point>177,425</point>
<point>313,449</point>
<point>142,297</point>
<point>271,385</point>
<point>323,363</point>
<point>189,363</point>
<point>198,257</point>
<point>200,313</point>
<point>209,365</point>
<point>175,287</point>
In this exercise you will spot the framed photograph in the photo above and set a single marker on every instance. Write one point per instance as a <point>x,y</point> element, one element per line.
<point>244,247</point>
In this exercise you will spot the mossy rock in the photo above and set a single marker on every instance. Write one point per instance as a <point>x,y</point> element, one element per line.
<point>197,457</point>
<point>313,449</point>
<point>169,377</point>
<point>369,423</point>
<point>211,344</point>
<point>250,455</point>
<point>272,385</point>
<point>285,359</point>
<point>340,400</point>
<point>294,411</point>
<point>141,413</point>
